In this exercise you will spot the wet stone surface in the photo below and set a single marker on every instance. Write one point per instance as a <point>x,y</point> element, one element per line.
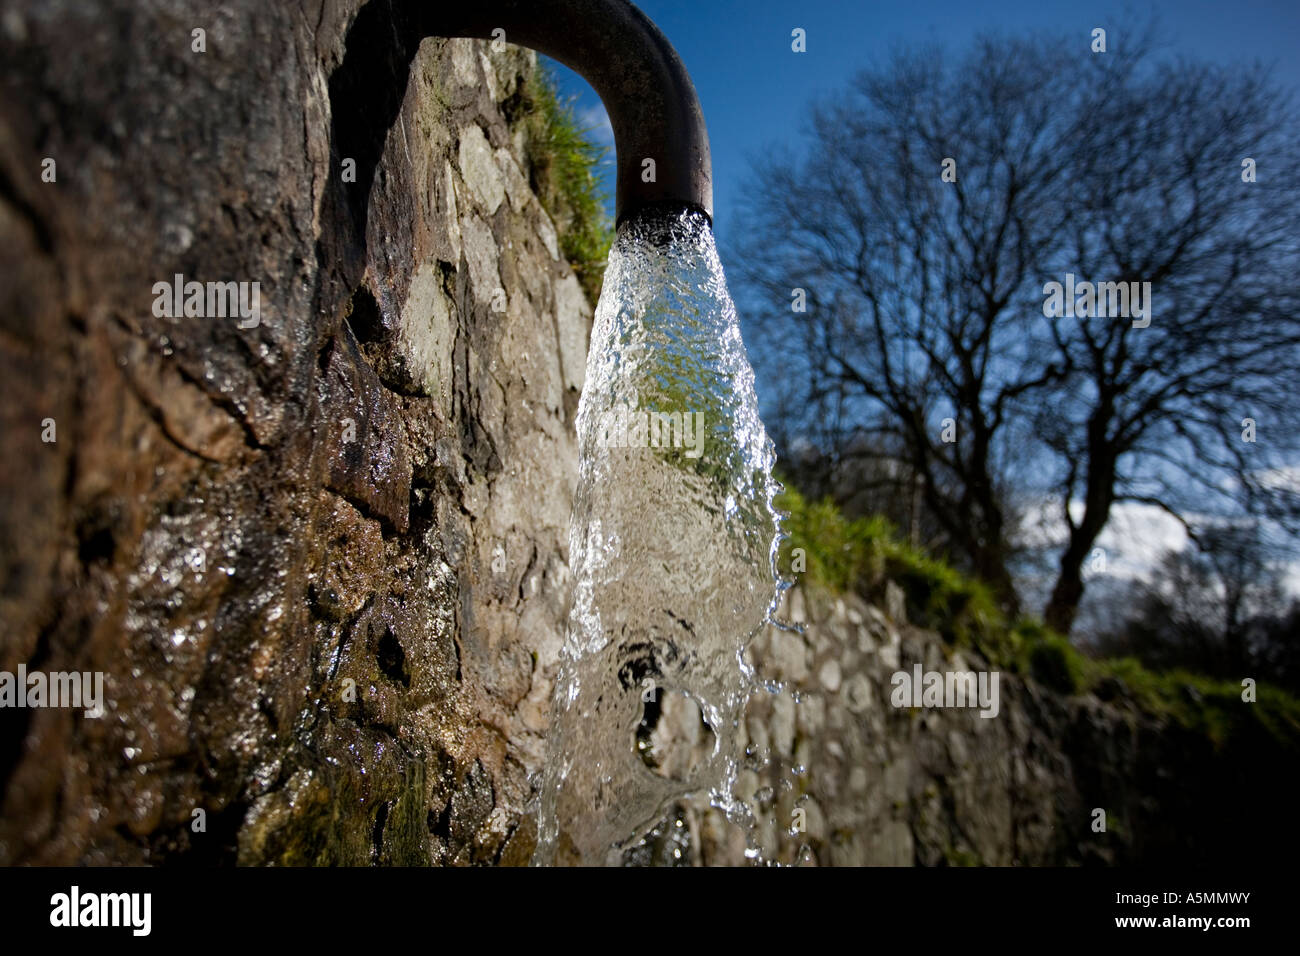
<point>320,561</point>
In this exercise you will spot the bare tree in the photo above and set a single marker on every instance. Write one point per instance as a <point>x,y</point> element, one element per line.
<point>937,200</point>
<point>1219,606</point>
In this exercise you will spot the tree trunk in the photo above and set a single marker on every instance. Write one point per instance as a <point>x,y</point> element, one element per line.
<point>1067,592</point>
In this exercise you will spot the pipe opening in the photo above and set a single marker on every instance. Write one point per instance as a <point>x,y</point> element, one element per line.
<point>665,224</point>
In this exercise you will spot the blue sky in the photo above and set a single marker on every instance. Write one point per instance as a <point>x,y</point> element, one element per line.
<point>755,90</point>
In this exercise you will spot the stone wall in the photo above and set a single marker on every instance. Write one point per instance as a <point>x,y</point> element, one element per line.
<point>320,560</point>
<point>880,784</point>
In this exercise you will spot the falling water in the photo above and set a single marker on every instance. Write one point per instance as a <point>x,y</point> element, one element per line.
<point>672,545</point>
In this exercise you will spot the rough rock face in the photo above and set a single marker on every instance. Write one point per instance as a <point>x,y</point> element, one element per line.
<point>318,553</point>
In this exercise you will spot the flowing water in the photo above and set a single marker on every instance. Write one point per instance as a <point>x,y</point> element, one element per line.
<point>673,550</point>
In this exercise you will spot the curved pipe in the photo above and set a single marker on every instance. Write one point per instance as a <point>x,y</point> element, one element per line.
<point>645,88</point>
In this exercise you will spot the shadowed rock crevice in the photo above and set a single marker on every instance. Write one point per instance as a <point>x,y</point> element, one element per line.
<point>366,92</point>
<point>365,321</point>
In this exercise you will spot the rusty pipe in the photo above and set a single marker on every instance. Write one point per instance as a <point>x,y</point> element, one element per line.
<point>660,141</point>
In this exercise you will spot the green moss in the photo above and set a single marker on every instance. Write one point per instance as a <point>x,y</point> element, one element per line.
<point>563,158</point>
<point>954,856</point>
<point>841,555</point>
<point>1212,707</point>
<point>1053,662</point>
<point>824,549</point>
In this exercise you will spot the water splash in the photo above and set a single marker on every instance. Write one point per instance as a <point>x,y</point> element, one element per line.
<point>673,549</point>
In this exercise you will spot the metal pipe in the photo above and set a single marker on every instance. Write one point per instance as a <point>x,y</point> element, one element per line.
<point>636,72</point>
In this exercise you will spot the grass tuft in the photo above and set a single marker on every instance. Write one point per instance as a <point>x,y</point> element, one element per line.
<point>563,158</point>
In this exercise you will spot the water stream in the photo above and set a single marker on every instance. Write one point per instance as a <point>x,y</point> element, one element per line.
<point>672,546</point>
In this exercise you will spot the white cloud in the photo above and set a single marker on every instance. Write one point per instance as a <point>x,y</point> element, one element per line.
<point>1281,479</point>
<point>595,120</point>
<point>1134,540</point>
